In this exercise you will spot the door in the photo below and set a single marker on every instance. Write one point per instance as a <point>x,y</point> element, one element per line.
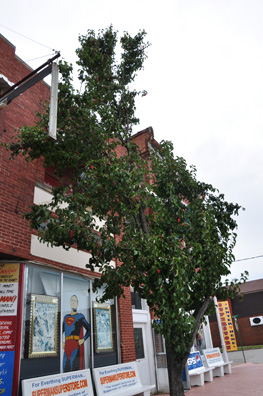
<point>142,353</point>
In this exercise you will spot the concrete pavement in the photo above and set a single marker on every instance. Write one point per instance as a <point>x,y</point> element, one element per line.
<point>246,378</point>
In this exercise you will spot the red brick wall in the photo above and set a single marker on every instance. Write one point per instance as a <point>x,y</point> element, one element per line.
<point>126,327</point>
<point>17,177</point>
<point>215,334</point>
<point>250,335</point>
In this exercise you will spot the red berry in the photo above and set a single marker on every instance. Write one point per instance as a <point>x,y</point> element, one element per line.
<point>91,167</point>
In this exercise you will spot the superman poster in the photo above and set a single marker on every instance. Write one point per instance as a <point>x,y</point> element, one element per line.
<point>76,331</point>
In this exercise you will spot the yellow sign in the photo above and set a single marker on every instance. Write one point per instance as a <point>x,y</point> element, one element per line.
<point>9,277</point>
<point>9,273</point>
<point>227,326</point>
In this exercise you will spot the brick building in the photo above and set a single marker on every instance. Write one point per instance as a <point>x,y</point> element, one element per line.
<point>42,281</point>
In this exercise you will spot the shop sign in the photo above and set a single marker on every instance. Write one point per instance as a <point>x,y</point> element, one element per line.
<point>194,361</point>
<point>77,383</point>
<point>117,380</point>
<point>9,276</point>
<point>227,326</point>
<point>213,356</point>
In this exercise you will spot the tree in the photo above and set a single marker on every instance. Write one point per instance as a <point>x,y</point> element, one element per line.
<point>172,236</point>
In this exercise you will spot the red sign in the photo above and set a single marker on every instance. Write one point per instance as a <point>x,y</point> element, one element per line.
<point>7,333</point>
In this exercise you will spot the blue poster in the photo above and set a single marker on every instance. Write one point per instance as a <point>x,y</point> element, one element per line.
<point>6,372</point>
<point>194,361</point>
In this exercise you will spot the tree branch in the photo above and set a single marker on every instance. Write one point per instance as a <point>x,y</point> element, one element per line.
<point>199,316</point>
<point>143,220</point>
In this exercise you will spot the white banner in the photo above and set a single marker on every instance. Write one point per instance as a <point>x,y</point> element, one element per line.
<point>75,383</point>
<point>213,357</point>
<point>118,380</point>
<point>8,299</point>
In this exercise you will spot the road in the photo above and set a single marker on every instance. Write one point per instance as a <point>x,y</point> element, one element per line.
<point>251,355</point>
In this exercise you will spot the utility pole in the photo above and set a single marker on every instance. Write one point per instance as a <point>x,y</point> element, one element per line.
<point>238,332</point>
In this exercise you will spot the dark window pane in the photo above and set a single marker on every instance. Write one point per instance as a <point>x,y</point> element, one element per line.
<point>136,301</point>
<point>139,349</point>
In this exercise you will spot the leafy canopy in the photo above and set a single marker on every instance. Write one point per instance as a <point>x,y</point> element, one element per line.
<point>171,235</point>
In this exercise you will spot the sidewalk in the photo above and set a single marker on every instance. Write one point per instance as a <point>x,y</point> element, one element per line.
<point>246,379</point>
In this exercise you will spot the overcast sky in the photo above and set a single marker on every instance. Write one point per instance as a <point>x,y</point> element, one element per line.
<point>203,75</point>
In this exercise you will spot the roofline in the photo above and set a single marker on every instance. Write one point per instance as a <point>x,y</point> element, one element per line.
<point>9,42</point>
<point>251,286</point>
<point>149,131</point>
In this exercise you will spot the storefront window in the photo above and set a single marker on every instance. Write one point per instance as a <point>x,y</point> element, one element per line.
<point>65,328</point>
<point>41,324</point>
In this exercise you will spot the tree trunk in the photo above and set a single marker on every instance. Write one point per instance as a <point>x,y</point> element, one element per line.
<point>175,373</point>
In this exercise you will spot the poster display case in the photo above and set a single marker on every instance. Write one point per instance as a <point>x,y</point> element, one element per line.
<point>103,328</point>
<point>43,326</point>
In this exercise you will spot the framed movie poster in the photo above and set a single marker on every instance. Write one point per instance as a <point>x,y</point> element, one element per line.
<point>103,328</point>
<point>43,326</point>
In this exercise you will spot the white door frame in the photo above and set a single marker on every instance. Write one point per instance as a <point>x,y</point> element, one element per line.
<point>142,319</point>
